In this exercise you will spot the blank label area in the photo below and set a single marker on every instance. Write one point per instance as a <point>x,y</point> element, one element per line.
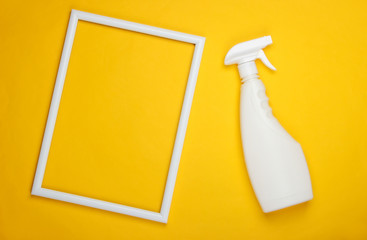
<point>118,116</point>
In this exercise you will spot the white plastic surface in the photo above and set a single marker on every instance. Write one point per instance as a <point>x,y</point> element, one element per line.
<point>275,161</point>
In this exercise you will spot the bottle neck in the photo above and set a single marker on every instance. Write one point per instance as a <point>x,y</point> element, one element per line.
<point>248,70</point>
<point>249,78</point>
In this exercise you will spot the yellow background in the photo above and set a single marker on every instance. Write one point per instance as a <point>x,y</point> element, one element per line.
<point>121,104</point>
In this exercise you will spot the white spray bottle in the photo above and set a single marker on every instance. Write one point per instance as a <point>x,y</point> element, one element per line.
<point>275,161</point>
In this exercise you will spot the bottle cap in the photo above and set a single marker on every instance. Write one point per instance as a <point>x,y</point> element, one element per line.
<point>244,54</point>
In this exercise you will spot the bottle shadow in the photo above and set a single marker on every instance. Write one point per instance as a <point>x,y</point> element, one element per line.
<point>289,212</point>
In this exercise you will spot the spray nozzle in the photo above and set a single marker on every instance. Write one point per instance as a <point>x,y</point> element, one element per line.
<point>244,54</point>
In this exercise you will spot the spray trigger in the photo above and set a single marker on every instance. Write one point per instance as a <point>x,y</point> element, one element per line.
<point>261,55</point>
<point>244,55</point>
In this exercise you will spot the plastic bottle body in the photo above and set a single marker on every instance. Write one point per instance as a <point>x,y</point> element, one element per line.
<point>275,161</point>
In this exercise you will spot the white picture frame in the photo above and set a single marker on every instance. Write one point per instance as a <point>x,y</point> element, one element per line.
<point>37,188</point>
